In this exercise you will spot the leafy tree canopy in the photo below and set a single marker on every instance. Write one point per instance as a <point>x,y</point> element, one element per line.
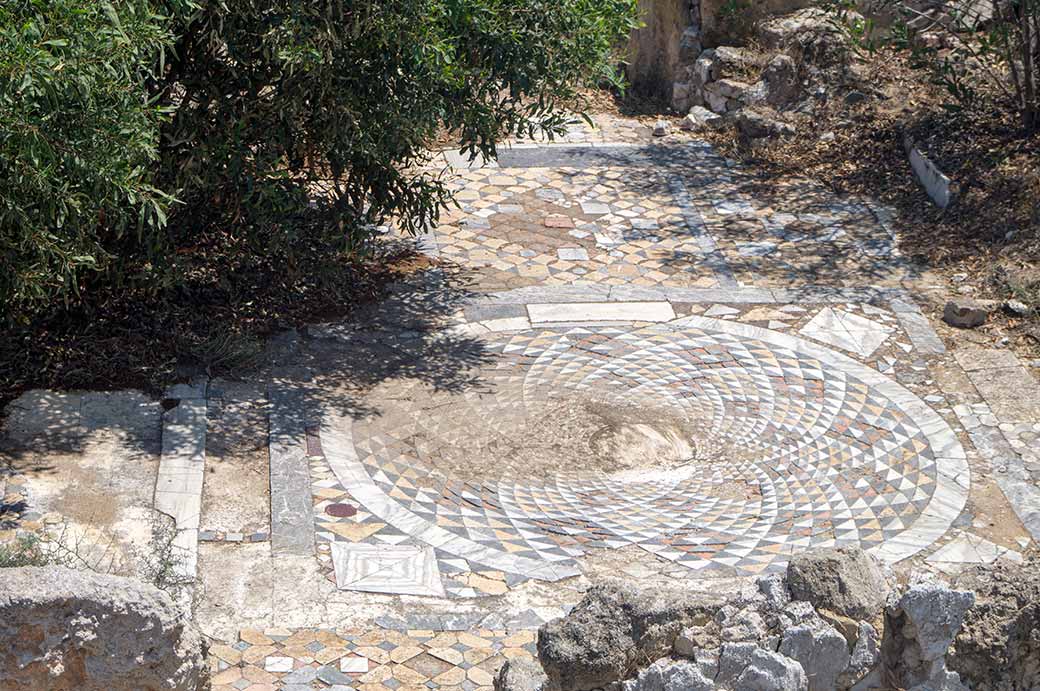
<point>131,128</point>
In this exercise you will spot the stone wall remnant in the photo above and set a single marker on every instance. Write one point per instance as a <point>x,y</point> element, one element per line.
<point>66,630</point>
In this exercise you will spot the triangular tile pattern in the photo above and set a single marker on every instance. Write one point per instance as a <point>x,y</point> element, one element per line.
<point>790,454</point>
<point>401,569</point>
<point>846,330</point>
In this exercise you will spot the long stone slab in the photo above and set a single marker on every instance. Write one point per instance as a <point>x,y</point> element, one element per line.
<point>600,311</point>
<point>735,295</point>
<point>292,517</point>
<point>1010,474</point>
<point>917,327</point>
<point>577,156</point>
<point>178,484</point>
<point>1011,391</point>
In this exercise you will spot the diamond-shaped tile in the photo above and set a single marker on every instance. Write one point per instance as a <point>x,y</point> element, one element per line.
<point>399,569</point>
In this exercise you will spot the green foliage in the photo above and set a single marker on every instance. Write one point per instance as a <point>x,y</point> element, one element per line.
<point>25,551</point>
<point>265,120</point>
<point>78,140</point>
<point>276,101</point>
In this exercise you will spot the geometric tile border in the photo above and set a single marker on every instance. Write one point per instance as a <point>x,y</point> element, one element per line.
<point>374,660</point>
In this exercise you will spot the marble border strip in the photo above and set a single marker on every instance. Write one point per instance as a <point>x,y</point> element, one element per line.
<point>738,295</point>
<point>1009,471</point>
<point>292,515</point>
<point>568,312</point>
<point>178,483</point>
<point>453,159</point>
<point>338,443</point>
<point>916,325</point>
<point>714,258</point>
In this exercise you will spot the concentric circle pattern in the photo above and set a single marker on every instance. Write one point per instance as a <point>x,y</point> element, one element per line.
<point>707,443</point>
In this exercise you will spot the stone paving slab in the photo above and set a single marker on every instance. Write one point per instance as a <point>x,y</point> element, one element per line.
<point>178,485</point>
<point>292,527</point>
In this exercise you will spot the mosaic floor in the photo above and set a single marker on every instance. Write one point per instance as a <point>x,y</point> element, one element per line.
<point>366,660</point>
<point>662,367</point>
<point>656,216</point>
<point>672,363</point>
<point>768,443</point>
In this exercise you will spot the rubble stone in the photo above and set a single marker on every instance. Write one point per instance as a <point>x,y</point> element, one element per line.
<point>965,313</point>
<point>62,629</point>
<point>844,580</point>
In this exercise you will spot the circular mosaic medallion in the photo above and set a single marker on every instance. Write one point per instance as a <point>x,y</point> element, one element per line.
<point>708,443</point>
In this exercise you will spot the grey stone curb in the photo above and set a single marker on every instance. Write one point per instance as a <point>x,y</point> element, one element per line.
<point>1010,474</point>
<point>292,515</point>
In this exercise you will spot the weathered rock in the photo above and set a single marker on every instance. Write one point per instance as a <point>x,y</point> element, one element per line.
<point>810,32</point>
<point>846,626</point>
<point>714,98</point>
<point>821,651</point>
<point>731,88</point>
<point>920,626</point>
<point>740,625</point>
<point>707,660</point>
<point>1016,308</point>
<point>670,675</point>
<point>707,117</point>
<point>844,580</point>
<point>614,629</point>
<point>774,590</point>
<point>997,645</point>
<point>941,680</point>
<point>732,62</point>
<point>965,313</point>
<point>706,67</point>
<point>65,630</point>
<point>690,45</point>
<point>866,654</point>
<point>661,128</point>
<point>769,671</point>
<point>797,612</point>
<point>734,658</point>
<point>693,638</point>
<point>780,80</point>
<point>520,674</point>
<point>755,124</point>
<point>778,32</point>
<point>855,97</point>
